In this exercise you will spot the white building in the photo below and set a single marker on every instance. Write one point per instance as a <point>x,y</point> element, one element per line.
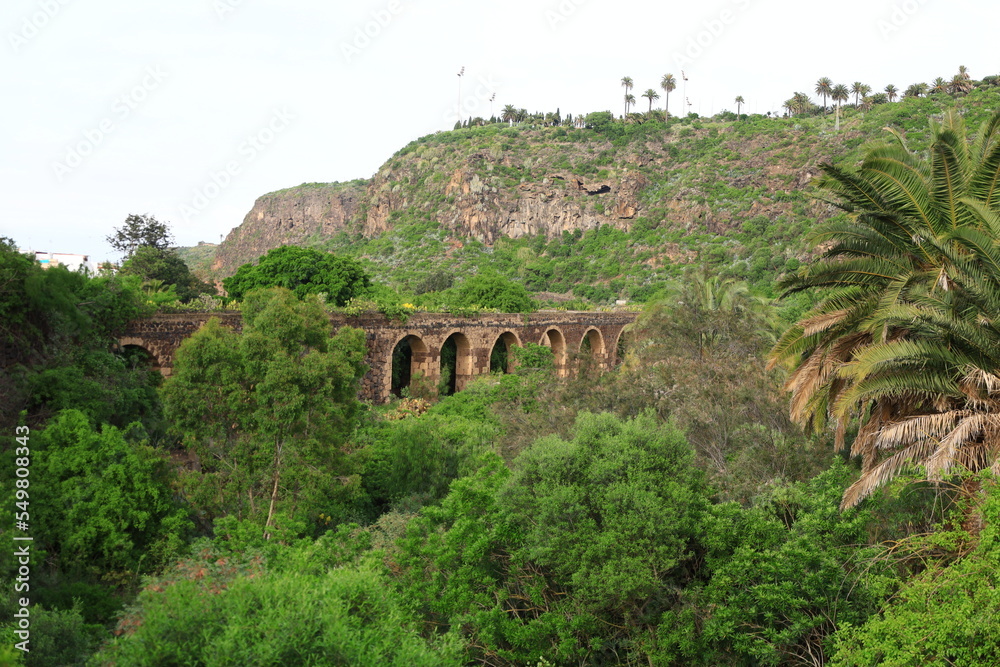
<point>69,260</point>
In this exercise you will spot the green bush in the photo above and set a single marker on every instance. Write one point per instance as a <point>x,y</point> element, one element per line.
<point>340,617</point>
<point>420,456</point>
<point>943,616</point>
<point>303,271</point>
<point>108,507</point>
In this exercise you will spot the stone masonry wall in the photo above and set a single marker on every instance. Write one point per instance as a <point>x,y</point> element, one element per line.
<point>564,332</point>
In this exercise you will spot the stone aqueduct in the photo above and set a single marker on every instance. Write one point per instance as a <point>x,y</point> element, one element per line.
<point>572,336</point>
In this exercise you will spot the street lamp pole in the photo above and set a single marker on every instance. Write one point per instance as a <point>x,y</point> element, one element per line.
<point>461,73</point>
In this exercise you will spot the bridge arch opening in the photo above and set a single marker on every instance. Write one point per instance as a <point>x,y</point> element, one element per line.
<point>136,357</point>
<point>501,357</point>
<point>409,357</point>
<point>622,346</point>
<point>456,364</point>
<point>554,340</point>
<point>592,344</point>
<point>591,352</point>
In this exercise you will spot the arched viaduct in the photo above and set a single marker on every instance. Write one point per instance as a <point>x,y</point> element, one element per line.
<point>574,337</point>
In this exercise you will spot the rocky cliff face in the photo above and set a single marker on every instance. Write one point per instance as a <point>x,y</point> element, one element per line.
<point>289,217</point>
<point>499,182</point>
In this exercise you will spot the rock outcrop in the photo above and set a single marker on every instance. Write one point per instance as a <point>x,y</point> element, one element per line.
<point>289,217</point>
<point>512,182</point>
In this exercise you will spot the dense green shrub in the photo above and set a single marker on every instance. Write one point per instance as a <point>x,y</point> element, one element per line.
<point>303,271</point>
<point>340,617</point>
<point>942,616</point>
<point>108,507</point>
<point>420,457</point>
<point>572,555</point>
<point>495,292</point>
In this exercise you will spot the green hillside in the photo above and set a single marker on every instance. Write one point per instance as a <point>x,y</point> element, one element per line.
<point>735,196</point>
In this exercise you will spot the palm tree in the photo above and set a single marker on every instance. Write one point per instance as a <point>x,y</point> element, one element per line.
<point>739,103</point>
<point>939,85</point>
<point>961,84</point>
<point>627,85</point>
<point>802,102</point>
<point>823,88</point>
<point>839,94</point>
<point>789,106</point>
<point>651,95</point>
<point>916,90</point>
<point>905,338</point>
<point>857,90</point>
<point>629,101</point>
<point>509,114</point>
<point>668,83</point>
<point>891,92</point>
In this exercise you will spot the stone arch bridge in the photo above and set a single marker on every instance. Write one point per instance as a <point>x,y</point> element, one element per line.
<point>575,338</point>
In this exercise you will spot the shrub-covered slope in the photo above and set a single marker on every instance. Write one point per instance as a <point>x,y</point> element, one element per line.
<point>606,212</point>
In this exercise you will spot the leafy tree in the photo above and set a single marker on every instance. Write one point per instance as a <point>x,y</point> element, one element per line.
<point>533,357</point>
<point>109,506</point>
<point>779,577</point>
<point>491,290</point>
<point>897,340</point>
<point>622,504</point>
<point>936,618</point>
<point>303,271</point>
<point>669,84</point>
<point>218,616</point>
<point>611,512</point>
<point>138,231</point>
<point>266,411</point>
<point>419,458</point>
<point>150,263</point>
<point>110,388</point>
<point>695,356</point>
<point>56,327</point>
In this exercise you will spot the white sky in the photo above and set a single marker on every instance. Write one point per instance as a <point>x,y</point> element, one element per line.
<point>161,96</point>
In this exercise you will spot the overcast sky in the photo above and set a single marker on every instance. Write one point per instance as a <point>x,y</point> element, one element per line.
<point>191,109</point>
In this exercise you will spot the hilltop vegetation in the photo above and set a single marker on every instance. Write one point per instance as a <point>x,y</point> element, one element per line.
<point>601,212</point>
